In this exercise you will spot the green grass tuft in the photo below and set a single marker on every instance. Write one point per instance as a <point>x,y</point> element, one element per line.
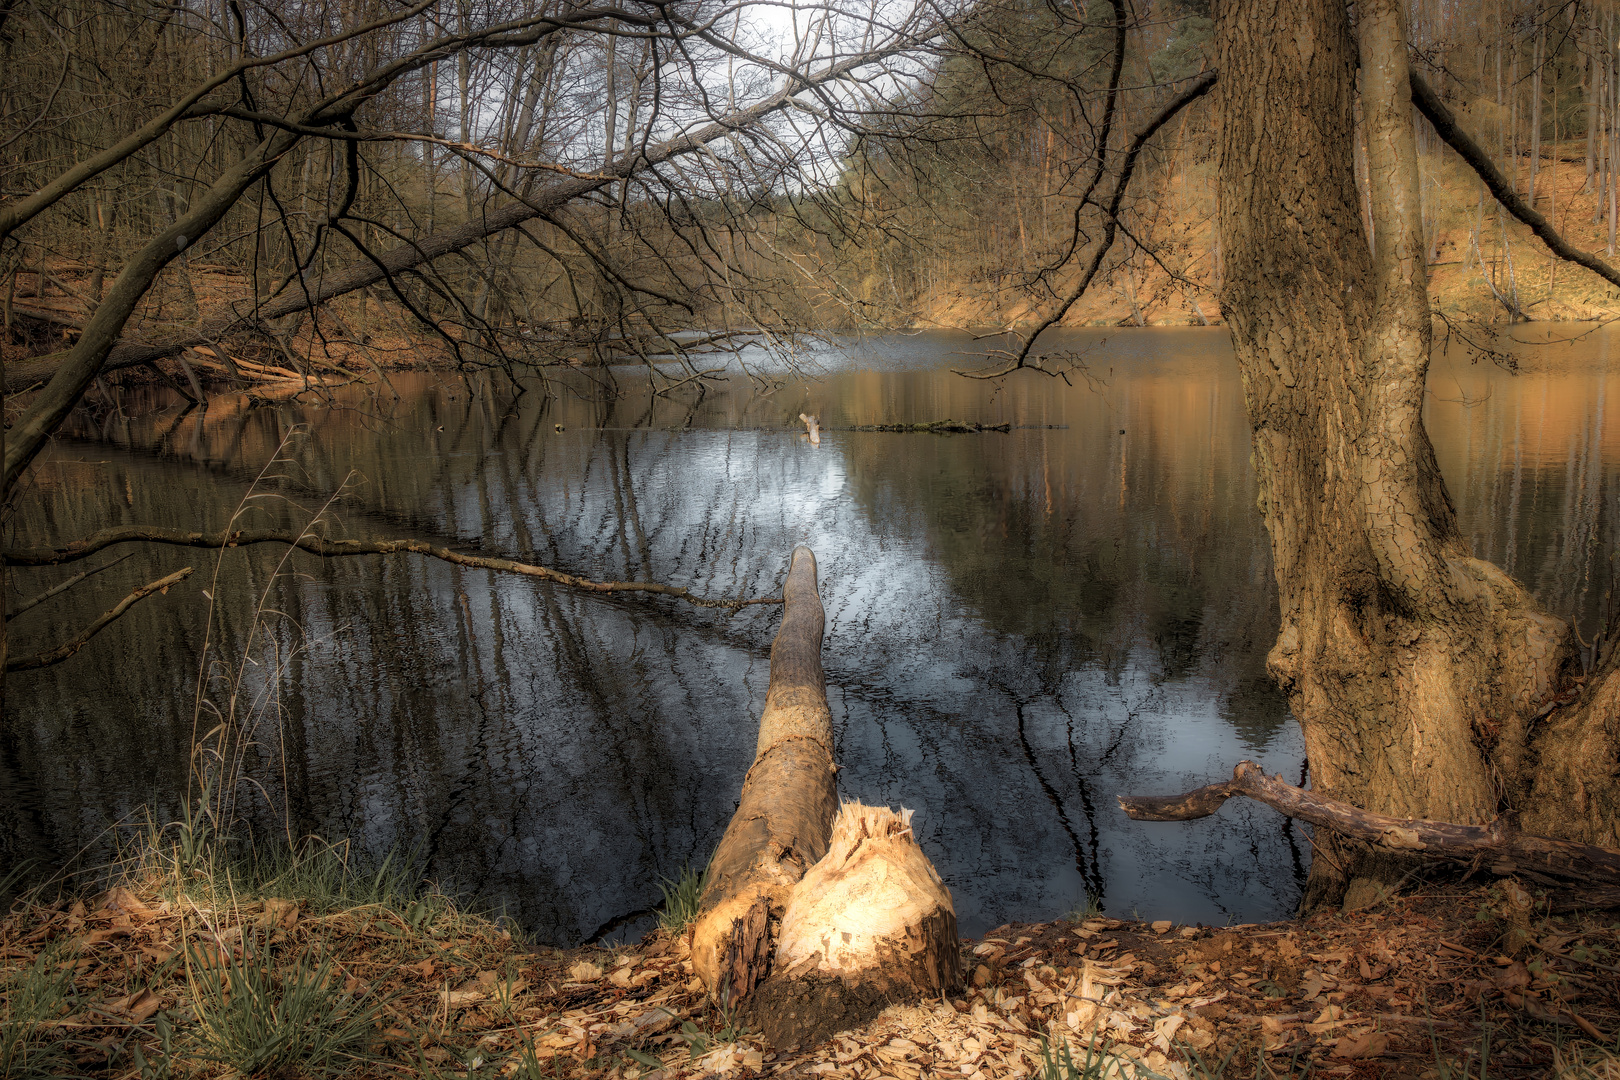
<point>1090,908</point>
<point>681,898</point>
<point>31,999</point>
<point>296,1021</point>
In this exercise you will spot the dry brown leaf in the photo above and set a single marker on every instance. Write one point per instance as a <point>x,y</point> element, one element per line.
<point>1372,1044</point>
<point>211,956</point>
<point>584,972</point>
<point>278,912</point>
<point>1313,984</point>
<point>1513,977</point>
<point>120,900</point>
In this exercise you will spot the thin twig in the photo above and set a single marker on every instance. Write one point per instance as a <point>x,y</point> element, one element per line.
<point>62,588</point>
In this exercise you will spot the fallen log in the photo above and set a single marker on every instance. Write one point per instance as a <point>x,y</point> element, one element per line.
<point>818,915</point>
<point>1511,850</point>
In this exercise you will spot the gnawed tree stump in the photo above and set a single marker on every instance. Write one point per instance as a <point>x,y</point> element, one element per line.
<point>812,427</point>
<point>816,926</point>
<point>869,924</point>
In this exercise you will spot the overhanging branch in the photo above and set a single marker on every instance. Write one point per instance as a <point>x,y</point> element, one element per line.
<point>1197,89</point>
<point>317,545</point>
<point>1501,188</point>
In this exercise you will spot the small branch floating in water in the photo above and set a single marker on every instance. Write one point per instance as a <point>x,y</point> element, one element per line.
<point>937,427</point>
<point>78,641</point>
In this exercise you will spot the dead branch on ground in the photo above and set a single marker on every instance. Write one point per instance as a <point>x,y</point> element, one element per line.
<point>1512,850</point>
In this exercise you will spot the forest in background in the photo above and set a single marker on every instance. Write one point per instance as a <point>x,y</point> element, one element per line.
<point>954,188</point>
<point>982,230</point>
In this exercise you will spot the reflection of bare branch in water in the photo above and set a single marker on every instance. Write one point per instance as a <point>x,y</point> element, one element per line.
<point>1058,364</point>
<point>1463,398</point>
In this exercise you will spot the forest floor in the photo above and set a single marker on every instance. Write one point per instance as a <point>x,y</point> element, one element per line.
<point>170,975</point>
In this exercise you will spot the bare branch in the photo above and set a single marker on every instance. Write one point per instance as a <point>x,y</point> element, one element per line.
<point>79,549</point>
<point>358,275</point>
<point>15,214</point>
<point>77,642</point>
<point>1408,836</point>
<point>1197,89</point>
<point>59,589</point>
<point>1501,188</point>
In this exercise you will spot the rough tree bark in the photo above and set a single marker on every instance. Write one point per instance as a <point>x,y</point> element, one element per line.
<point>1417,671</point>
<point>789,798</point>
<point>818,915</point>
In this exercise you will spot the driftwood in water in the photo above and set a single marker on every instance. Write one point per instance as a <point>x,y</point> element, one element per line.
<point>77,641</point>
<point>937,427</point>
<point>818,923</point>
<point>1509,849</point>
<point>812,426</point>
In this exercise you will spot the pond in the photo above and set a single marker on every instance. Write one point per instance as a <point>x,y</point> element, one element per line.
<point>1020,625</point>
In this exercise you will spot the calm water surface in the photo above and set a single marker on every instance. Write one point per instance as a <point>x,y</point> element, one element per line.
<point>1019,626</point>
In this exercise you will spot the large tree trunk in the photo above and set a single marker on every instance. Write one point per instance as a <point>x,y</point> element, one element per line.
<point>820,915</point>
<point>1416,670</point>
<point>789,798</point>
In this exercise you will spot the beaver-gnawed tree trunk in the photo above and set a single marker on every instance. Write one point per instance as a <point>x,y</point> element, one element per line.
<point>818,915</point>
<point>1417,671</point>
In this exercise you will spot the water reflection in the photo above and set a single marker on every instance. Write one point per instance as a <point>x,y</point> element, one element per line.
<point>1019,626</point>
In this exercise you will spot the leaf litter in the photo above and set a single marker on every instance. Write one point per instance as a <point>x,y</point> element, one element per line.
<point>1421,986</point>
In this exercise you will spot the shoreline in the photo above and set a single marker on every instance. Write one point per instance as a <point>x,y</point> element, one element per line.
<point>1405,988</point>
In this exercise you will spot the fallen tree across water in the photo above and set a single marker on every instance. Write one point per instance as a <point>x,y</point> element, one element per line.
<point>1511,850</point>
